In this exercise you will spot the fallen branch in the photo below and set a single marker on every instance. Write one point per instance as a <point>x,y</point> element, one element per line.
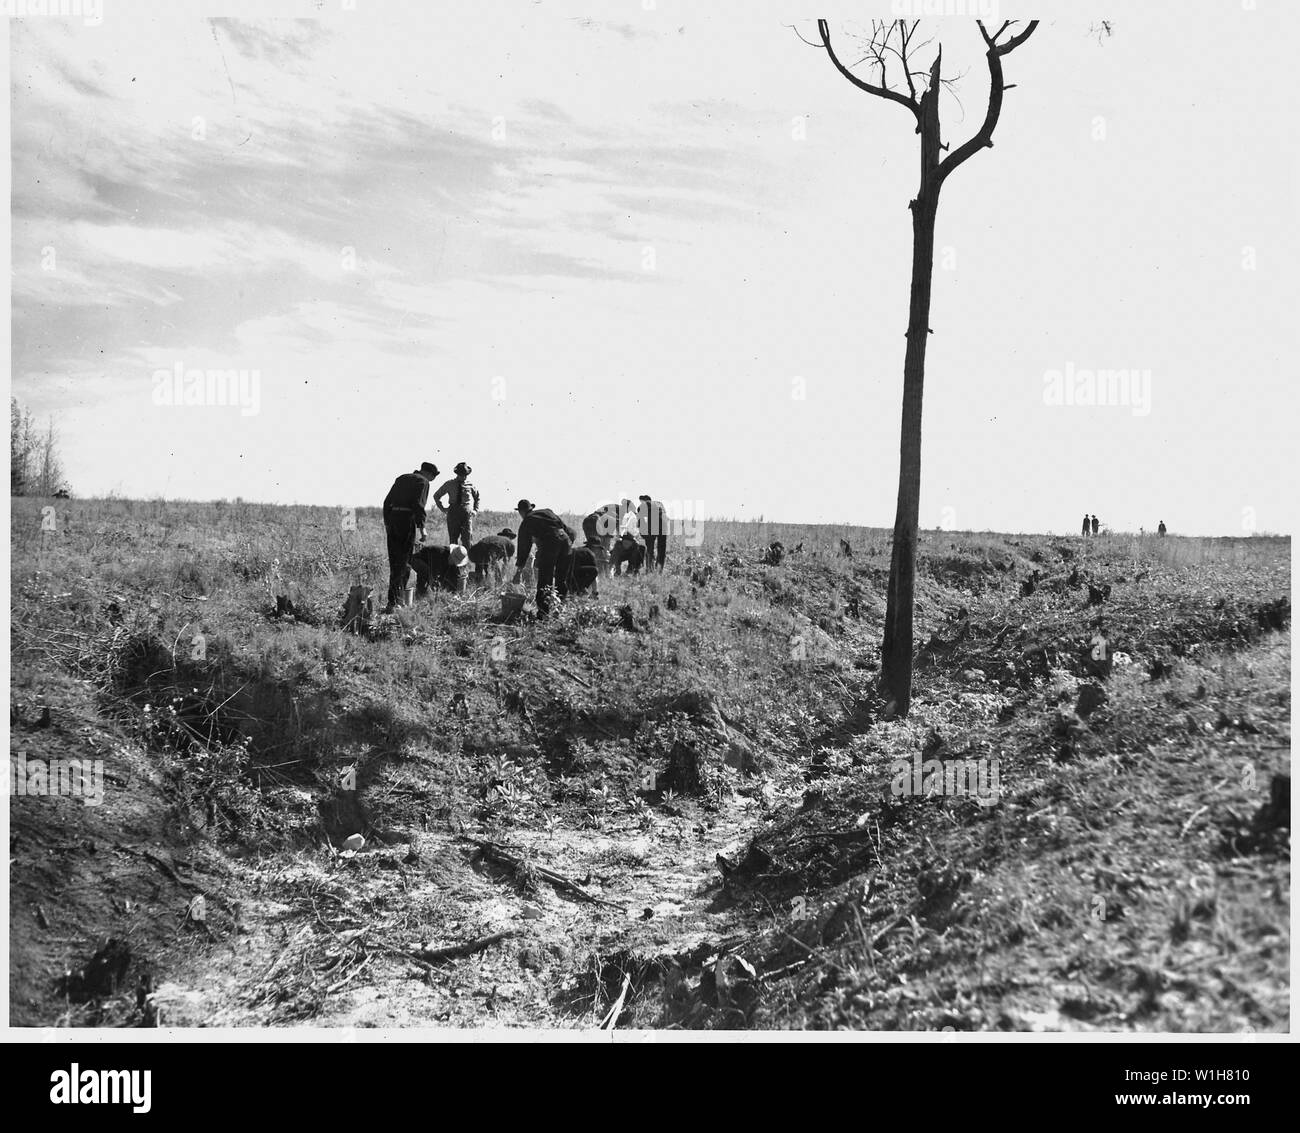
<point>503,857</point>
<point>779,972</point>
<point>610,1020</point>
<point>404,954</point>
<point>1188,824</point>
<point>348,978</point>
<point>571,675</point>
<point>456,951</point>
<point>898,922</point>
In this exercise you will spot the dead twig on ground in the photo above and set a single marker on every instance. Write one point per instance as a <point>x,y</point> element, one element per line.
<point>779,972</point>
<point>284,952</point>
<point>349,977</point>
<point>1188,824</point>
<point>570,674</point>
<point>499,855</point>
<point>897,922</point>
<point>455,951</point>
<point>611,1019</point>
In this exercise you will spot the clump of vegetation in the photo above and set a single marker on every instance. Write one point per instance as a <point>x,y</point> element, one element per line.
<point>703,750</point>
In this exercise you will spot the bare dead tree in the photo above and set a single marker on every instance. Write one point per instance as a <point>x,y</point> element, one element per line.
<point>894,72</point>
<point>35,467</point>
<point>50,477</point>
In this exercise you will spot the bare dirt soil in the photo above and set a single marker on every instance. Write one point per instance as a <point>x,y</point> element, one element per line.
<point>676,805</point>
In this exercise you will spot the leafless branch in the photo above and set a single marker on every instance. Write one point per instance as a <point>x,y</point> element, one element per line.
<point>823,29</point>
<point>983,138</point>
<point>1016,40</point>
<point>797,32</point>
<point>905,36</point>
<point>992,39</point>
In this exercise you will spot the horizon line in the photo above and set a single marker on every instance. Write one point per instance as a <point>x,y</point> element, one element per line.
<point>762,520</point>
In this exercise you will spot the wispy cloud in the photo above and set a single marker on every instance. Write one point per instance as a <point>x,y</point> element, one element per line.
<point>636,228</point>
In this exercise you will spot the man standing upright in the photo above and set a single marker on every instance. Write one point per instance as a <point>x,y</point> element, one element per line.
<point>554,539</point>
<point>461,508</point>
<point>403,518</point>
<point>1087,527</point>
<point>652,521</point>
<point>1096,527</point>
<point>604,525</point>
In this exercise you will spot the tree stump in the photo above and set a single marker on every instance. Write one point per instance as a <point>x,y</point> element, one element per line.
<point>683,771</point>
<point>359,610</point>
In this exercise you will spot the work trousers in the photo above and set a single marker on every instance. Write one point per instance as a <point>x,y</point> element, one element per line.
<point>401,542</point>
<point>460,527</point>
<point>554,562</point>
<point>656,548</point>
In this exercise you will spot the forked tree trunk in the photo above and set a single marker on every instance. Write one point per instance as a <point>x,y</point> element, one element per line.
<point>895,39</point>
<point>896,648</point>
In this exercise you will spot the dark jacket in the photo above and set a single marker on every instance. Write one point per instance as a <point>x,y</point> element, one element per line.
<point>432,566</point>
<point>547,530</point>
<point>491,548</point>
<point>584,569</point>
<point>605,522</point>
<point>627,550</point>
<point>652,519</point>
<point>410,492</point>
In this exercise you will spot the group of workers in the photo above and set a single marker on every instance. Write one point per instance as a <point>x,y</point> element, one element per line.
<point>1091,526</point>
<point>612,536</point>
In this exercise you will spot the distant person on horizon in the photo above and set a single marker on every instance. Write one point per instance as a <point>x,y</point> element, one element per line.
<point>1096,527</point>
<point>1086,526</point>
<point>1161,529</point>
<point>554,539</point>
<point>462,508</point>
<point>404,516</point>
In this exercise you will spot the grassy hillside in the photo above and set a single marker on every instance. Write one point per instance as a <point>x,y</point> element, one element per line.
<point>680,792</point>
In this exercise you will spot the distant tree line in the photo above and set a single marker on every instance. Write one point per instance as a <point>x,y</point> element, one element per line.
<point>34,465</point>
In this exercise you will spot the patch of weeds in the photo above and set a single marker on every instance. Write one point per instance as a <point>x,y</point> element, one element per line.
<point>212,786</point>
<point>527,879</point>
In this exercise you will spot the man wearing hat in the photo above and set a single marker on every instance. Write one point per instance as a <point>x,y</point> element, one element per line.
<point>461,507</point>
<point>446,568</point>
<point>627,551</point>
<point>403,518</point>
<point>458,568</point>
<point>554,539</point>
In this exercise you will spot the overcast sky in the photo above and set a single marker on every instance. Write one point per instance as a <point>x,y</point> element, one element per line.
<point>660,248</point>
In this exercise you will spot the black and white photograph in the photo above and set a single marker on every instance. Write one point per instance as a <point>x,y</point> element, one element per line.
<point>648,518</point>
